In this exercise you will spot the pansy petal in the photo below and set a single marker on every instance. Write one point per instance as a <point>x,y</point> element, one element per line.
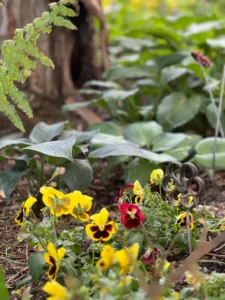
<point>61,252</point>
<point>28,204</point>
<point>56,211</point>
<point>49,194</point>
<point>101,218</point>
<point>52,251</point>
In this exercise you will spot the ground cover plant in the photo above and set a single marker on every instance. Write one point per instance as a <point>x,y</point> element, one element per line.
<point>160,100</point>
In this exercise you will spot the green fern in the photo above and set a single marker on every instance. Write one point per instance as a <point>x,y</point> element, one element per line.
<point>20,57</point>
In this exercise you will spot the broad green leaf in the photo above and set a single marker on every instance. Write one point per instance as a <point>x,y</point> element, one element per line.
<point>74,106</point>
<point>101,139</point>
<point>63,148</point>
<point>134,44</point>
<point>196,28</point>
<point>116,95</point>
<point>18,142</point>
<point>167,141</point>
<point>204,153</point>
<point>36,264</point>
<point>78,175</point>
<point>4,295</point>
<point>211,116</point>
<point>108,127</point>
<point>130,149</point>
<point>176,110</point>
<point>170,59</point>
<point>81,136</point>
<point>120,72</point>
<point>10,178</point>
<point>139,169</point>
<point>103,84</point>
<point>171,73</point>
<point>141,133</point>
<point>43,132</point>
<point>219,42</point>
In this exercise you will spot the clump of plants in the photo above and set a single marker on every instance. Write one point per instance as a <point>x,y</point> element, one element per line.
<point>116,252</point>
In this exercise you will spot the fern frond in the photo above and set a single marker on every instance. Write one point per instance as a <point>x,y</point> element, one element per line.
<point>9,110</point>
<point>20,57</point>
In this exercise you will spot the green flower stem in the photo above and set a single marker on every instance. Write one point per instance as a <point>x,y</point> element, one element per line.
<point>218,122</point>
<point>93,257</point>
<point>188,231</point>
<point>212,100</point>
<point>63,222</point>
<point>42,171</point>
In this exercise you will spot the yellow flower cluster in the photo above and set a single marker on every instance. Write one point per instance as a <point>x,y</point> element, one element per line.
<point>126,258</point>
<point>60,204</point>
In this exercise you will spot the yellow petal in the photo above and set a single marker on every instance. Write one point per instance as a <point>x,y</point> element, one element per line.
<point>101,218</point>
<point>28,204</point>
<point>61,252</point>
<point>47,258</point>
<point>156,176</point>
<point>86,202</point>
<point>90,232</point>
<point>52,251</point>
<point>138,191</point>
<point>53,288</point>
<point>49,194</point>
<point>56,211</point>
<point>83,216</point>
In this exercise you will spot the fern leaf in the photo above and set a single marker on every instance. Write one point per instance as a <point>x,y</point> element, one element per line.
<point>9,110</point>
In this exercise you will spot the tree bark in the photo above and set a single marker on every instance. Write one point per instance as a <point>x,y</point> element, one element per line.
<point>74,53</point>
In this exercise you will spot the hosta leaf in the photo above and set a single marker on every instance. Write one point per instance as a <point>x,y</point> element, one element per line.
<point>120,72</point>
<point>103,84</point>
<point>129,149</point>
<point>204,153</point>
<point>108,127</point>
<point>10,178</point>
<point>63,148</point>
<point>171,73</point>
<point>81,136</point>
<point>139,169</point>
<point>107,139</point>
<point>167,140</point>
<point>142,133</point>
<point>176,110</point>
<point>20,142</point>
<point>43,132</point>
<point>78,175</point>
<point>116,95</point>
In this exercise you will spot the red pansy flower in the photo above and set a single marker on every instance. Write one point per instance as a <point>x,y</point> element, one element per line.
<point>128,186</point>
<point>131,215</point>
<point>150,256</point>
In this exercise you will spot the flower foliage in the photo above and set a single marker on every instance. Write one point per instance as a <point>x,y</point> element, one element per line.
<point>104,250</point>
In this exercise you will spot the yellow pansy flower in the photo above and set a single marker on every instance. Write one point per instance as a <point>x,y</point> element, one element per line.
<point>82,204</point>
<point>53,257</point>
<point>58,203</point>
<point>139,199</point>
<point>182,220</point>
<point>24,210</point>
<point>28,204</point>
<point>127,258</point>
<point>107,258</point>
<point>190,198</point>
<point>156,176</point>
<point>101,229</point>
<point>56,291</point>
<point>138,190</point>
